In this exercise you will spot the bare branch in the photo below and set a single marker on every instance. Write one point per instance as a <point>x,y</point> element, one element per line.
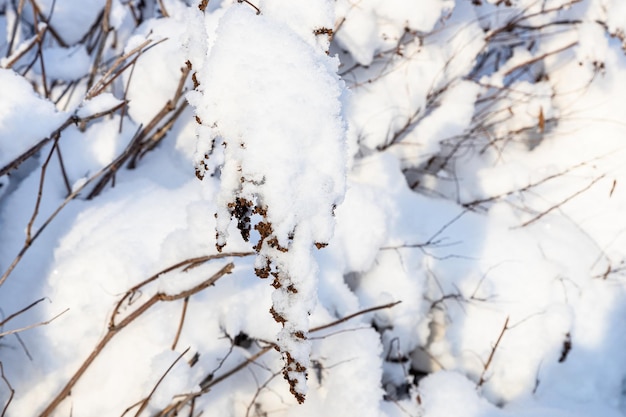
<point>147,399</point>
<point>11,390</point>
<point>180,324</point>
<point>556,206</point>
<point>32,326</point>
<point>17,313</point>
<point>481,381</point>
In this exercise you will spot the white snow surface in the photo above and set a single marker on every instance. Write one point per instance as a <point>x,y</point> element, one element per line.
<point>459,163</point>
<point>25,117</point>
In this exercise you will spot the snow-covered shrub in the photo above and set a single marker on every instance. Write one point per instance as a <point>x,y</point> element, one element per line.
<point>270,96</point>
<point>433,188</point>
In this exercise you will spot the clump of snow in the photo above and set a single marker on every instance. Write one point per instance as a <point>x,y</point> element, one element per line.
<point>448,393</point>
<point>25,117</point>
<point>368,27</point>
<point>284,157</point>
<point>100,103</point>
<point>67,64</point>
<point>74,19</point>
<point>151,71</point>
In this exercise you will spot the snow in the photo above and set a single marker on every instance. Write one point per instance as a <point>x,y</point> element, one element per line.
<point>67,64</point>
<point>75,19</point>
<point>434,190</point>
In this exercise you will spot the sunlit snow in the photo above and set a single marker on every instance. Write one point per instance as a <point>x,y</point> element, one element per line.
<point>313,208</point>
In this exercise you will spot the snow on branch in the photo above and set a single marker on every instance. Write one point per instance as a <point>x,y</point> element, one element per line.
<point>268,102</point>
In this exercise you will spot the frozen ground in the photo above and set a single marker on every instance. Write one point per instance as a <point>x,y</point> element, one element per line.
<point>313,208</point>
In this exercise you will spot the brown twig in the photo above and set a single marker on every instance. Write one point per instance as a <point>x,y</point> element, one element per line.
<point>351,316</point>
<point>163,9</point>
<point>260,389</point>
<point>147,399</point>
<point>258,11</point>
<point>187,264</point>
<point>525,188</point>
<point>104,34</point>
<point>42,178</point>
<point>66,180</point>
<point>142,138</point>
<point>21,51</point>
<point>15,163</point>
<point>539,58</point>
<point>38,15</point>
<point>17,313</point>
<point>171,105</point>
<point>481,381</point>
<point>32,326</point>
<point>180,324</point>
<point>11,390</point>
<point>111,74</point>
<point>149,144</point>
<point>18,18</point>
<point>556,206</point>
<point>42,64</point>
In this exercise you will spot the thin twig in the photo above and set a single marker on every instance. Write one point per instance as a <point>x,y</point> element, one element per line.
<point>351,316</point>
<point>111,74</point>
<point>46,20</point>
<point>147,399</point>
<point>180,324</point>
<point>481,381</point>
<point>169,106</point>
<point>42,178</point>
<point>24,48</point>
<point>17,20</point>
<point>556,206</point>
<point>539,58</point>
<point>32,326</point>
<point>11,390</point>
<point>66,180</point>
<point>431,240</point>
<point>141,139</point>
<point>187,264</point>
<point>258,11</point>
<point>17,313</point>
<point>525,188</point>
<point>104,33</point>
<point>163,9</point>
<point>260,389</point>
